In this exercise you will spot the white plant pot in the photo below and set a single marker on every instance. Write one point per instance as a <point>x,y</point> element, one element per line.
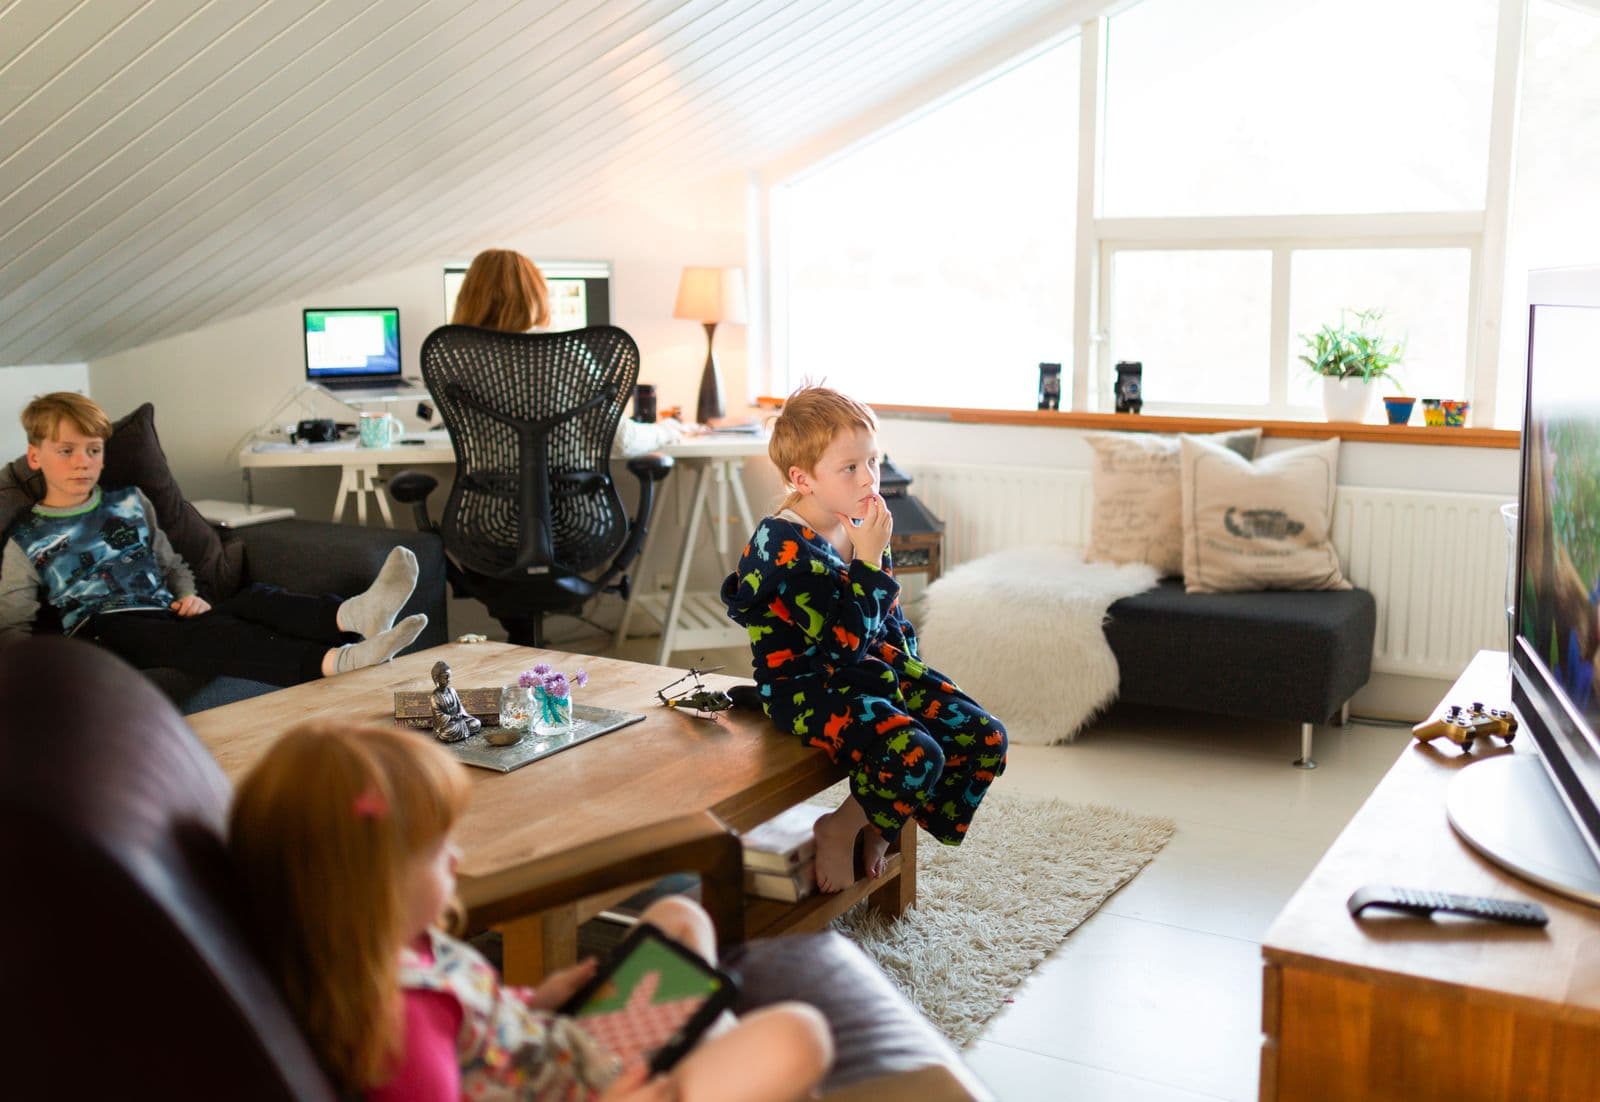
<point>1346,399</point>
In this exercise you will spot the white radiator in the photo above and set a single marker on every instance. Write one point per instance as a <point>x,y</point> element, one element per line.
<point>1435,563</point>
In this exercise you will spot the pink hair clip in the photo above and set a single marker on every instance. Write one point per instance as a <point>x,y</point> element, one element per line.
<point>371,805</point>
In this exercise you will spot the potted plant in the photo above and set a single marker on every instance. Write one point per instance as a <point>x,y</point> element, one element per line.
<point>1350,358</point>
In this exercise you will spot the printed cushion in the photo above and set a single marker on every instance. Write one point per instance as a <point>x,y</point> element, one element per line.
<point>1138,503</point>
<point>134,458</point>
<point>1258,525</point>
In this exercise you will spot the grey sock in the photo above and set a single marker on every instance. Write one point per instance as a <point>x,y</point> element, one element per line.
<point>381,647</point>
<point>373,612</point>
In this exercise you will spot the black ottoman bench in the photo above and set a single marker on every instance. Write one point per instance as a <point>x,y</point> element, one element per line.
<point>1295,656</point>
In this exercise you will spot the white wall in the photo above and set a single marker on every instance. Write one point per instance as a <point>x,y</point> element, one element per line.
<point>212,386</point>
<point>20,385</point>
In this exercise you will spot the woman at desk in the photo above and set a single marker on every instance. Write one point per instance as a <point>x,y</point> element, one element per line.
<point>505,290</point>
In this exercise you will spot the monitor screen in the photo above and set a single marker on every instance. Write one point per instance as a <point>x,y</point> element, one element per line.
<point>580,291</point>
<point>1557,641</point>
<point>352,342</point>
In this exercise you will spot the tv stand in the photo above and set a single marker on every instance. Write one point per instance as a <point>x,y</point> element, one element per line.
<point>1508,810</point>
<point>1429,1011</point>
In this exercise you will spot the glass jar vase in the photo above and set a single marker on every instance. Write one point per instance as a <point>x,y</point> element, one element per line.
<point>552,715</point>
<point>517,707</point>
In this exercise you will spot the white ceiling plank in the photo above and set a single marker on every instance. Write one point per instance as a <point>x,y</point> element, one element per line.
<point>189,168</point>
<point>243,245</point>
<point>95,38</point>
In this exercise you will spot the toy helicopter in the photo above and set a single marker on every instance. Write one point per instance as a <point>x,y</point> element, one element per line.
<point>703,702</point>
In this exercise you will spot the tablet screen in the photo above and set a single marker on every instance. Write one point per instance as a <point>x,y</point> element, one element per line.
<point>649,998</point>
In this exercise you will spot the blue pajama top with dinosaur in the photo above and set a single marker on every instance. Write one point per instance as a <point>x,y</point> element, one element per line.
<point>837,664</point>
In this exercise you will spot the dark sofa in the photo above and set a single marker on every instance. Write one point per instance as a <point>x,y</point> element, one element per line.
<point>111,828</point>
<point>304,556</point>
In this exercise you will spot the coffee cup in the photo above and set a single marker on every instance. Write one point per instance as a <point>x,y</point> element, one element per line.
<point>380,430</point>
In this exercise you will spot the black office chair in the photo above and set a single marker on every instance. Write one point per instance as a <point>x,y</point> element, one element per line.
<point>533,512</point>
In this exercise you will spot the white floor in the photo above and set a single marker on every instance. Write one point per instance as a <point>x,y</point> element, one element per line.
<point>1157,997</point>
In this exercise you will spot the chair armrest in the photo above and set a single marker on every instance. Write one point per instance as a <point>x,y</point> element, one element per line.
<point>699,843</point>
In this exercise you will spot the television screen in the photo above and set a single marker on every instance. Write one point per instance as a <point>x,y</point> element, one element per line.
<point>1557,641</point>
<point>580,291</point>
<point>352,342</point>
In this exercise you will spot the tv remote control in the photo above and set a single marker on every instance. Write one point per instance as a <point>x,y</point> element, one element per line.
<point>1424,903</point>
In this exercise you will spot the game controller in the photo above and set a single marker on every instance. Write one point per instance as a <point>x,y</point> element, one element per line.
<point>1463,725</point>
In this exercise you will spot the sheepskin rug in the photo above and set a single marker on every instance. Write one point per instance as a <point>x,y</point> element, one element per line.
<point>1021,631</point>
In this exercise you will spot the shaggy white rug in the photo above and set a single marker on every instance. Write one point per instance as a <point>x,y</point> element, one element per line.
<point>990,910</point>
<point>1021,632</point>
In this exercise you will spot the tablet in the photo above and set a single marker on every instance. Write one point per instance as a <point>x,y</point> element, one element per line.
<point>651,1002</point>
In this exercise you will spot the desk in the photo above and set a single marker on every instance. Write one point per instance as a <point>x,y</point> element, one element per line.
<point>1417,1011</point>
<point>697,619</point>
<point>358,466</point>
<point>521,823</point>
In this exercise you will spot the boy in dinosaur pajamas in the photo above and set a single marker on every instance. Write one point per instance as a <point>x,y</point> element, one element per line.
<point>835,657</point>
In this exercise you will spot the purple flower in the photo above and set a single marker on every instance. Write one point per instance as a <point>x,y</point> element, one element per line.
<point>556,685</point>
<point>582,679</point>
<point>527,679</point>
<point>541,669</point>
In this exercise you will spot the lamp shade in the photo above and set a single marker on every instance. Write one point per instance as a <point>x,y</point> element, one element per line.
<point>711,294</point>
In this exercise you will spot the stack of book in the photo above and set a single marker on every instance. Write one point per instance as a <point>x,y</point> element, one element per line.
<point>780,855</point>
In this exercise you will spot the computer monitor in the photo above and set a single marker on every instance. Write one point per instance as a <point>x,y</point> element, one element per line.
<point>580,291</point>
<point>352,342</point>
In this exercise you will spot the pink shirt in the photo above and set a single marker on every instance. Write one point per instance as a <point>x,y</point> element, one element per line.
<point>427,1071</point>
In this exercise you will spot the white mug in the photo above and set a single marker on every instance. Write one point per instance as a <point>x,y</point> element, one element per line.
<point>379,430</point>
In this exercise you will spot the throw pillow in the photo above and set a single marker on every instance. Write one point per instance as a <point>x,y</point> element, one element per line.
<point>1138,502</point>
<point>1260,525</point>
<point>134,458</point>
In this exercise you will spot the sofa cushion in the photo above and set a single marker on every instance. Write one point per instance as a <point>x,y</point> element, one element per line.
<point>1261,525</point>
<point>1138,502</point>
<point>134,458</point>
<point>1294,656</point>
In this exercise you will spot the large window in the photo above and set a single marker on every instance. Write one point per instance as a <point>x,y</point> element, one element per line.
<point>1555,206</point>
<point>1259,168</point>
<point>933,265</point>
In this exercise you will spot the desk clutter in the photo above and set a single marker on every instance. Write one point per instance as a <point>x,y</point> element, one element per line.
<point>414,708</point>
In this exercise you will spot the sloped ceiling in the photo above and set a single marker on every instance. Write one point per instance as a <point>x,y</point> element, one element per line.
<point>168,163</point>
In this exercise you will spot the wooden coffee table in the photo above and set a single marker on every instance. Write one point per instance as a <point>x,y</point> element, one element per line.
<point>672,765</point>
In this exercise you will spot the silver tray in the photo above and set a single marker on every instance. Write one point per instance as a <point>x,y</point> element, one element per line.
<point>587,722</point>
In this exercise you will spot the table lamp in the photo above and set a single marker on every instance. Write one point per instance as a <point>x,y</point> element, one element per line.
<point>709,296</point>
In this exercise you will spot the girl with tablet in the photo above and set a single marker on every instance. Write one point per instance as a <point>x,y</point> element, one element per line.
<point>342,837</point>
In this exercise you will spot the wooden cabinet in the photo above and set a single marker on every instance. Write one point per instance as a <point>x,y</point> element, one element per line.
<point>1414,1010</point>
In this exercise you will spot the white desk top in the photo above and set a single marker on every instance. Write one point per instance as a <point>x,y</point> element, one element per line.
<point>435,447</point>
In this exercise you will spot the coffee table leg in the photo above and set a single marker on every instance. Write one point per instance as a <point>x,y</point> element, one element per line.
<point>898,896</point>
<point>538,944</point>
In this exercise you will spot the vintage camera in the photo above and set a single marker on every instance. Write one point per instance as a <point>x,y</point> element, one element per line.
<point>321,430</point>
<point>1129,390</point>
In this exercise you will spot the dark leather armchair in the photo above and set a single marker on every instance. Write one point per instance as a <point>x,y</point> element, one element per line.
<point>533,524</point>
<point>128,965</point>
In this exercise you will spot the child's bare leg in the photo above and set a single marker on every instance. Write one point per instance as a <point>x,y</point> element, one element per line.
<point>684,921</point>
<point>775,1054</point>
<point>836,845</point>
<point>875,849</point>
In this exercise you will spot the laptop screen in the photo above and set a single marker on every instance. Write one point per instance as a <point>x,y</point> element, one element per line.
<point>353,343</point>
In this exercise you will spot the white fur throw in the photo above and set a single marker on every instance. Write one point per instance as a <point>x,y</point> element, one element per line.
<point>1021,632</point>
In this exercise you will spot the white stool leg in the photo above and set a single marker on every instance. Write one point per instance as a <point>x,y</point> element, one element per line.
<point>1304,761</point>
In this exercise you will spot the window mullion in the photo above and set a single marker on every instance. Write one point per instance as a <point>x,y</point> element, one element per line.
<point>1280,359</point>
<point>1091,85</point>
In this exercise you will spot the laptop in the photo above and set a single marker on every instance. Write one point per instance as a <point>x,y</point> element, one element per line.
<point>354,351</point>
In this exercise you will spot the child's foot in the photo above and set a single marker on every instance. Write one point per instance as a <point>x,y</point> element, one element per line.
<point>373,612</point>
<point>836,834</point>
<point>381,647</point>
<point>874,852</point>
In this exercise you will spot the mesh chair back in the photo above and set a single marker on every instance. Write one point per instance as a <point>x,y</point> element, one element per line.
<point>529,414</point>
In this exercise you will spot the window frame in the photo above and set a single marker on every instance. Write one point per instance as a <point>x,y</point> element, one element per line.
<point>1482,231</point>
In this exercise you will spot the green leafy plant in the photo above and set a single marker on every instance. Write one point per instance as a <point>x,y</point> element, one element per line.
<point>1356,351</point>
